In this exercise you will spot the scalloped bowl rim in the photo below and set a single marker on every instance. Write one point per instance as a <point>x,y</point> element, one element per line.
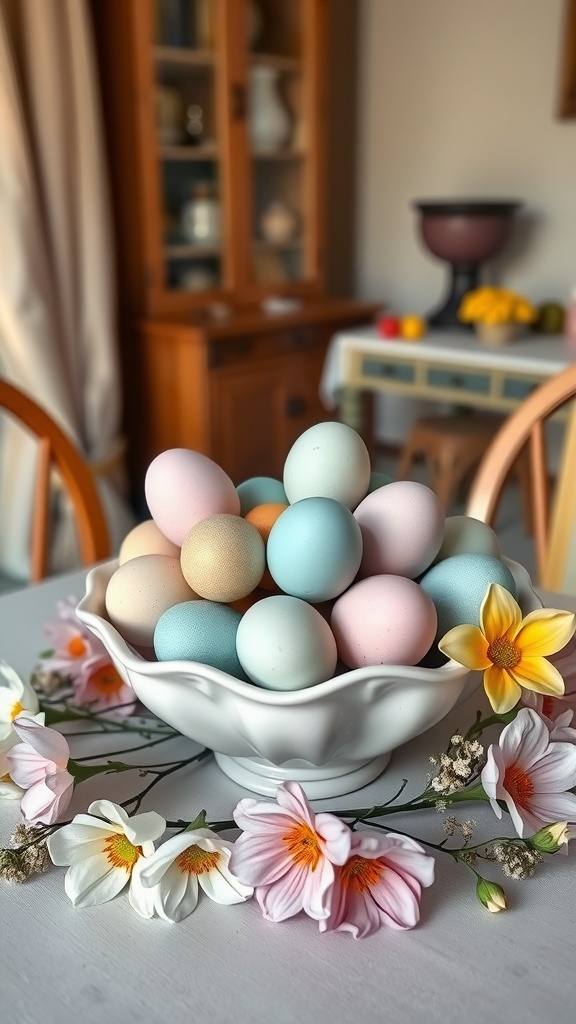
<point>280,698</point>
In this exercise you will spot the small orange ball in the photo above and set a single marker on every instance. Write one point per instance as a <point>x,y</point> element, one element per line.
<point>263,518</point>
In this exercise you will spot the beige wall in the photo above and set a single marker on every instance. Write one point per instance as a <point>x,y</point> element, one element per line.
<point>458,97</point>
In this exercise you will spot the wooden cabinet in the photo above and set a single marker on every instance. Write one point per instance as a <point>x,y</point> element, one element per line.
<point>215,114</point>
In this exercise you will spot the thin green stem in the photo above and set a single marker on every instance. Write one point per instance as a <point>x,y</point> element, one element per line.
<point>137,800</point>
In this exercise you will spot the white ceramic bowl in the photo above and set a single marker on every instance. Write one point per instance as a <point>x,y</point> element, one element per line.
<point>333,738</point>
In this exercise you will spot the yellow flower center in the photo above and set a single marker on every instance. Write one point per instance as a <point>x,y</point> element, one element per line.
<point>303,846</point>
<point>16,710</point>
<point>196,861</point>
<point>518,784</point>
<point>107,680</point>
<point>121,852</point>
<point>76,647</point>
<point>503,653</point>
<point>360,874</point>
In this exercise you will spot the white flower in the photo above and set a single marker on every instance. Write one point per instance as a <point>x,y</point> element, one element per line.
<point>531,774</point>
<point>16,698</point>
<point>166,883</point>
<point>101,852</point>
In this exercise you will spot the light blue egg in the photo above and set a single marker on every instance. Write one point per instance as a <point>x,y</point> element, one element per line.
<point>260,490</point>
<point>458,586</point>
<point>203,631</point>
<point>314,549</point>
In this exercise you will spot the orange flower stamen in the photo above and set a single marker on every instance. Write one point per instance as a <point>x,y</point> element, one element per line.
<point>503,653</point>
<point>76,647</point>
<point>121,852</point>
<point>107,680</point>
<point>196,861</point>
<point>16,710</point>
<point>303,846</point>
<point>518,784</point>
<point>360,874</point>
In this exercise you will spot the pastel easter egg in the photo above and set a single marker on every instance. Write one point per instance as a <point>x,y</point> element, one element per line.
<point>314,549</point>
<point>183,487</point>
<point>458,586</point>
<point>402,528</point>
<point>383,620</point>
<point>202,631</point>
<point>223,558</point>
<point>464,535</point>
<point>146,539</point>
<point>328,460</point>
<point>284,643</point>
<point>260,490</point>
<point>140,591</point>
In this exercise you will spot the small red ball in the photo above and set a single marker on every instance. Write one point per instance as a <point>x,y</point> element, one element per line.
<point>389,327</point>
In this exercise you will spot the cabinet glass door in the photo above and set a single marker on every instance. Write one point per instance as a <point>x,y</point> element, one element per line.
<point>186,88</point>
<point>281,143</point>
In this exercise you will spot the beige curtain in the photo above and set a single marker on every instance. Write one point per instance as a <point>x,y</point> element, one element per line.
<point>57,322</point>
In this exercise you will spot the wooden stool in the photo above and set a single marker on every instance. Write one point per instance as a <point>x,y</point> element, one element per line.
<point>451,446</point>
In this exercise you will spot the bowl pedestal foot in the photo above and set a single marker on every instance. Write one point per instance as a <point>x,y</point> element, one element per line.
<point>318,782</point>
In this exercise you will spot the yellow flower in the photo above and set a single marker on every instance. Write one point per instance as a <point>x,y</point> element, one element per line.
<point>495,306</point>
<point>510,650</point>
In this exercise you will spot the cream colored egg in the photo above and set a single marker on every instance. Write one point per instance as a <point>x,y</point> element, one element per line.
<point>146,539</point>
<point>140,591</point>
<point>223,558</point>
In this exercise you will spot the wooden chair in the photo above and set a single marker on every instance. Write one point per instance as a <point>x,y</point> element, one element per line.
<point>56,450</point>
<point>554,522</point>
<point>451,447</point>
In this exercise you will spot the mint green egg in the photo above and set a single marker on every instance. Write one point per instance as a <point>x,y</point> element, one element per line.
<point>458,586</point>
<point>260,490</point>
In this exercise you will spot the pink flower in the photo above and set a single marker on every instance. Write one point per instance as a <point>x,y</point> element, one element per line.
<point>380,883</point>
<point>38,765</point>
<point>557,721</point>
<point>530,774</point>
<point>102,687</point>
<point>72,644</point>
<point>287,853</point>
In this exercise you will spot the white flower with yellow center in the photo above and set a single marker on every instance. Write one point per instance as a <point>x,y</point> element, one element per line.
<point>16,698</point>
<point>167,883</point>
<point>101,852</point>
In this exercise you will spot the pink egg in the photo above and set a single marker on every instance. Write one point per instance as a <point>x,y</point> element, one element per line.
<point>402,526</point>
<point>383,620</point>
<point>183,487</point>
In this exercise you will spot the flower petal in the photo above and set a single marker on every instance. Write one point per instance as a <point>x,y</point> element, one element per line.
<point>176,896</point>
<point>283,899</point>
<point>539,675</point>
<point>222,886</point>
<point>337,837</point>
<point>47,742</point>
<point>545,631</point>
<point>93,881</point>
<point>499,613</point>
<point>316,895</point>
<point>502,690</point>
<point>466,645</point>
<point>262,816</point>
<point>260,860</point>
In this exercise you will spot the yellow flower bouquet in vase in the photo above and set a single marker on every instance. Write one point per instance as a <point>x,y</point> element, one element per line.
<point>498,314</point>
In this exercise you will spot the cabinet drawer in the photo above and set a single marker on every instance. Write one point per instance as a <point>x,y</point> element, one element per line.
<point>479,383</point>
<point>404,372</point>
<point>225,351</point>
<point>518,389</point>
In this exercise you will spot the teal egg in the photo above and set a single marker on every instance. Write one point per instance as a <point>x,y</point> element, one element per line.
<point>260,490</point>
<point>314,549</point>
<point>458,586</point>
<point>203,631</point>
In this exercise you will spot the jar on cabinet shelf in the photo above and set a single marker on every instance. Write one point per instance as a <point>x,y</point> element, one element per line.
<point>278,222</point>
<point>200,216</point>
<point>270,122</point>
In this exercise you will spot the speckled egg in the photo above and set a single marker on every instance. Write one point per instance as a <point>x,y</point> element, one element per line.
<point>284,643</point>
<point>146,539</point>
<point>223,558</point>
<point>402,528</point>
<point>458,586</point>
<point>260,490</point>
<point>138,593</point>
<point>203,631</point>
<point>183,487</point>
<point>464,535</point>
<point>314,549</point>
<point>328,460</point>
<point>383,620</point>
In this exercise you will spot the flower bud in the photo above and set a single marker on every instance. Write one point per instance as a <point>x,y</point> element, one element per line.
<point>550,838</point>
<point>491,896</point>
